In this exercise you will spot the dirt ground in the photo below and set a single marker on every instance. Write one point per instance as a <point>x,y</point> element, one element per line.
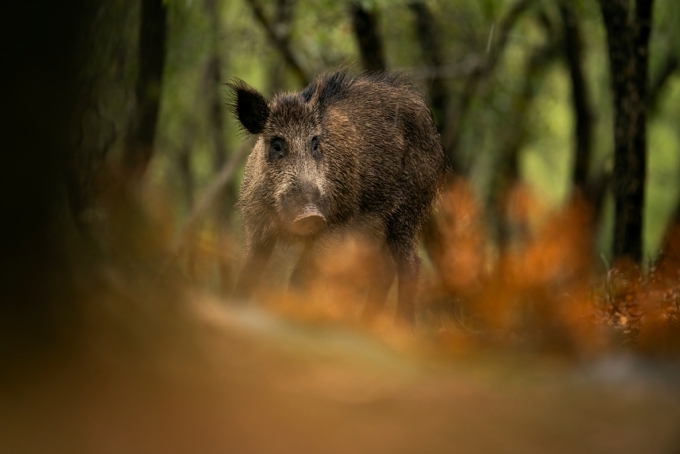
<point>244,381</point>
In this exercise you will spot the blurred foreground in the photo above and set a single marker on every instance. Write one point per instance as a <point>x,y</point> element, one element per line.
<point>531,351</point>
<point>116,334</point>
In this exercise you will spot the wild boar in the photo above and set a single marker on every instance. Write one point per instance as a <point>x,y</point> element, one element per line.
<point>348,150</point>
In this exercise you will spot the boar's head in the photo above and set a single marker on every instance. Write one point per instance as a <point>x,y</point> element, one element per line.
<point>287,163</point>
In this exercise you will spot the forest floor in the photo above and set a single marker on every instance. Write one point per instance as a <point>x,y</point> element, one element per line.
<point>215,379</point>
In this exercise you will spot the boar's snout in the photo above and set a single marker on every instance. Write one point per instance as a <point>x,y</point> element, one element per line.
<point>303,208</point>
<point>309,222</point>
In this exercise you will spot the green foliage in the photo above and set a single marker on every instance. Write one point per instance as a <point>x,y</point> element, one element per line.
<point>322,38</point>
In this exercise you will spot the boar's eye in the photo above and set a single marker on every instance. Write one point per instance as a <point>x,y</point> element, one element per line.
<point>316,149</point>
<point>278,148</point>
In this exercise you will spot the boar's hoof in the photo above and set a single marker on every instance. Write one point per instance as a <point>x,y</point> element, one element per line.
<point>311,221</point>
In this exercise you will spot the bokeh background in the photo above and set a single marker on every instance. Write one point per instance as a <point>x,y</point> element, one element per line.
<point>538,329</point>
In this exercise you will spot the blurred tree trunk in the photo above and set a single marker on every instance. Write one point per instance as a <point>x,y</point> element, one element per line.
<point>283,18</point>
<point>369,39</point>
<point>452,129</point>
<point>213,83</point>
<point>430,45</point>
<point>668,261</point>
<point>101,113</point>
<point>185,168</point>
<point>585,186</point>
<point>514,137</point>
<point>39,73</point>
<point>583,124</point>
<point>628,44</point>
<point>225,202</point>
<point>142,129</point>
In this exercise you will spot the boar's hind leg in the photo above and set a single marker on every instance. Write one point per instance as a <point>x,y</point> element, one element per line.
<point>257,259</point>
<point>402,243</point>
<point>408,264</point>
<point>380,285</point>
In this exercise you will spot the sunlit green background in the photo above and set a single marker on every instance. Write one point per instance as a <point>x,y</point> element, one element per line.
<point>322,37</point>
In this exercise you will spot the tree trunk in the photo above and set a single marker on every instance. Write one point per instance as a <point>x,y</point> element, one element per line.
<point>283,19</point>
<point>430,45</point>
<point>452,129</point>
<point>365,23</point>
<point>142,128</point>
<point>628,43</point>
<point>583,124</point>
<point>513,138</point>
<point>185,169</point>
<point>213,82</point>
<point>226,200</point>
<point>39,95</point>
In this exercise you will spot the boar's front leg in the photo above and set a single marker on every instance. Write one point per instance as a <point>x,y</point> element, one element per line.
<point>304,268</point>
<point>382,279</point>
<point>256,261</point>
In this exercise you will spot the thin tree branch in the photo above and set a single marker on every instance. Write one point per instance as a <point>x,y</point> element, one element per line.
<point>281,43</point>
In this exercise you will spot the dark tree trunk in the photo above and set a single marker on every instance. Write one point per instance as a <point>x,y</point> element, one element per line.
<point>430,45</point>
<point>668,261</point>
<point>101,115</point>
<point>185,169</point>
<point>213,82</point>
<point>628,42</point>
<point>514,137</point>
<point>452,129</point>
<point>283,19</point>
<point>583,125</point>
<point>39,73</point>
<point>365,23</point>
<point>142,129</point>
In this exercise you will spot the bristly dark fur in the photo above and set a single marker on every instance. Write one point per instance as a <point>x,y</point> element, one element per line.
<point>331,87</point>
<point>289,108</point>
<point>308,92</point>
<point>362,151</point>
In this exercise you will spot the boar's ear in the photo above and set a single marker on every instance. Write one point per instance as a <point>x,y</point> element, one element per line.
<point>249,106</point>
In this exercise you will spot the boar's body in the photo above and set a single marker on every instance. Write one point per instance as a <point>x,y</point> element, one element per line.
<point>347,151</point>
